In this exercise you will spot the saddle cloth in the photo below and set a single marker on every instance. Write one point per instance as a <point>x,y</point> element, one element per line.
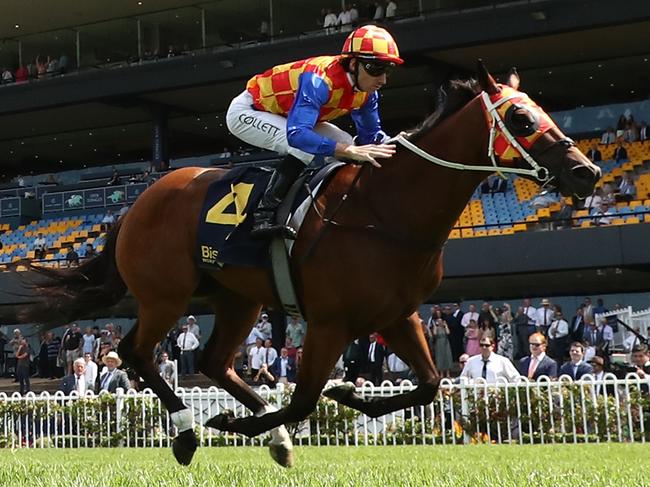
<point>226,218</point>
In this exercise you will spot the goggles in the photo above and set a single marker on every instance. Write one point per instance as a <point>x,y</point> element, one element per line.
<point>377,68</point>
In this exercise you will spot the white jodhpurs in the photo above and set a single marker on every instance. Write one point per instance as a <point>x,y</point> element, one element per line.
<point>269,131</point>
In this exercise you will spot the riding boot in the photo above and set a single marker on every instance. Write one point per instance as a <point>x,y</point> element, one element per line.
<point>264,226</point>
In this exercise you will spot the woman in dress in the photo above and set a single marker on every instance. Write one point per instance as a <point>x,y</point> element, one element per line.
<point>506,344</point>
<point>444,360</point>
<point>472,335</point>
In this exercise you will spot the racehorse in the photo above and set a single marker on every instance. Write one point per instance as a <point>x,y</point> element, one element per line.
<point>359,266</point>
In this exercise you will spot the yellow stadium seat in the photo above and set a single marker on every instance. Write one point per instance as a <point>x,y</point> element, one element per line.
<point>632,219</point>
<point>454,234</point>
<point>507,231</point>
<point>618,221</point>
<point>635,203</point>
<point>543,213</point>
<point>465,233</point>
<point>585,224</point>
<point>494,231</point>
<point>520,227</point>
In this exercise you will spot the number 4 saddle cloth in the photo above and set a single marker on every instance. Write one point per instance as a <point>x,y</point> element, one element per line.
<point>226,218</point>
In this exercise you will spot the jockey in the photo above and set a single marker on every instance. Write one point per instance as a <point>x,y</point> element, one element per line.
<point>287,109</point>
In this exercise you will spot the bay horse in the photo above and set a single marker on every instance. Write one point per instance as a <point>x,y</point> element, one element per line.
<point>368,273</point>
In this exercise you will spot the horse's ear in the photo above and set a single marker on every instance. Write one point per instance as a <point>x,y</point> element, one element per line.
<point>485,79</point>
<point>513,78</point>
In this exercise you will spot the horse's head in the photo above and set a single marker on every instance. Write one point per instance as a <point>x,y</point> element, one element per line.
<point>523,136</point>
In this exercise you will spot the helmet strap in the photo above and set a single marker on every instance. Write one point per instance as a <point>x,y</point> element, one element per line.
<point>355,74</point>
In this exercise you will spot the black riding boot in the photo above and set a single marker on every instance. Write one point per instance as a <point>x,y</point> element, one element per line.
<point>264,226</point>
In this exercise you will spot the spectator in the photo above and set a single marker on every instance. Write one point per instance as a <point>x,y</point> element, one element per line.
<point>605,335</point>
<point>22,75</point>
<point>7,76</point>
<point>284,368</point>
<point>470,315</point>
<point>265,327</point>
<point>268,357</point>
<point>41,67</point>
<point>108,221</point>
<point>598,371</point>
<point>626,190</point>
<point>523,331</point>
<point>375,362</point>
<point>537,363</point>
<point>264,30</point>
<point>600,308</point>
<point>643,132</point>
<point>558,336</point>
<point>471,339</point>
<point>576,367</point>
<point>112,378</point>
<point>91,372</point>
<point>90,251</point>
<point>398,370</point>
<point>631,133</point>
<point>489,365</point>
<point>505,347</point>
<point>53,350</point>
<point>295,331</point>
<point>352,361</point>
<point>632,340</point>
<point>602,215</point>
<point>329,24</point>
<point>354,16</point>
<point>194,329</point>
<point>43,370</point>
<point>594,154</point>
<point>391,10</point>
<point>40,247</point>
<point>379,12</point>
<point>115,178</point>
<point>76,382</point>
<point>187,343</point>
<point>594,200</point>
<point>577,328</point>
<point>72,345</point>
<point>167,369</point>
<point>620,153</point>
<point>486,314</point>
<point>88,341</point>
<point>444,360</point>
<point>456,331</point>
<point>255,357</point>
<point>63,63</point>
<point>343,20</point>
<point>123,210</point>
<point>52,67</point>
<point>608,137</point>
<point>641,360</point>
<point>72,257</point>
<point>22,366</point>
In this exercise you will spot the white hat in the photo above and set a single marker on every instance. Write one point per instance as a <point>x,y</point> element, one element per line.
<point>264,315</point>
<point>112,355</point>
<point>16,330</point>
<point>191,317</point>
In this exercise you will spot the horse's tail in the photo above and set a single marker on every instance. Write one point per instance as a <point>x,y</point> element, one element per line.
<point>71,294</point>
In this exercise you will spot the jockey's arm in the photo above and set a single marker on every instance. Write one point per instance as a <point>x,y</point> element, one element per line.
<point>367,121</point>
<point>312,94</point>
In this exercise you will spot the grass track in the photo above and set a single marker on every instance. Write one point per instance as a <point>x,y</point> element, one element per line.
<point>602,465</point>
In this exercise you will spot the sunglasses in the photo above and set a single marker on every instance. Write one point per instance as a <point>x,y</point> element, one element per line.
<point>377,68</point>
<point>485,345</point>
<point>535,344</point>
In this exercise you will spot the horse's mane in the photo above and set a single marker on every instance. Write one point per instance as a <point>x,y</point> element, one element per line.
<point>448,101</point>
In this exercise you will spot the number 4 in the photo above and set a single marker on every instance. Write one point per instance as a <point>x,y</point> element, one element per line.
<point>239,194</point>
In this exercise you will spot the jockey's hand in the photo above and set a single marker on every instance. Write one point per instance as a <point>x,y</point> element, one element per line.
<point>365,153</point>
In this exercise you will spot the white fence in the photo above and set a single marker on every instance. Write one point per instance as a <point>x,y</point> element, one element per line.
<point>546,411</point>
<point>631,318</point>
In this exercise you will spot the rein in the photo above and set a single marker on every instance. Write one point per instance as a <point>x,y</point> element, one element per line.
<point>538,172</point>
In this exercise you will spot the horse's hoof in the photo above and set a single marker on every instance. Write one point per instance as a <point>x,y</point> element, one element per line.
<point>340,393</point>
<point>184,446</point>
<point>220,421</point>
<point>282,454</point>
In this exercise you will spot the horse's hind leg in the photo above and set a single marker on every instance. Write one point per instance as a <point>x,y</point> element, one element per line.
<point>408,341</point>
<point>137,349</point>
<point>235,315</point>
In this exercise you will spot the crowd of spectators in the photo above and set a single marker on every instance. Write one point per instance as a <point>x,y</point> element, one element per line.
<point>72,354</point>
<point>40,68</point>
<point>350,16</point>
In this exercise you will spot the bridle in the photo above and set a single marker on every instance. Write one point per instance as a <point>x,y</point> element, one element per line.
<point>496,124</point>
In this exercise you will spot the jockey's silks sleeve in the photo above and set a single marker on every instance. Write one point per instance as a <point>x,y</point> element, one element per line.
<point>367,121</point>
<point>313,92</point>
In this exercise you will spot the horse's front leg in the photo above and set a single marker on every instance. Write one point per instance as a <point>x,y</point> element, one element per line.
<point>324,343</point>
<point>407,339</point>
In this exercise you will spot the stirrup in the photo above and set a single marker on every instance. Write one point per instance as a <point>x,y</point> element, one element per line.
<point>270,230</point>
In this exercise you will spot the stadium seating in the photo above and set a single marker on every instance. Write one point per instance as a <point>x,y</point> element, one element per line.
<point>59,233</point>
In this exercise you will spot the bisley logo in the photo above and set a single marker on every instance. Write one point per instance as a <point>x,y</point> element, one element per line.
<point>208,254</point>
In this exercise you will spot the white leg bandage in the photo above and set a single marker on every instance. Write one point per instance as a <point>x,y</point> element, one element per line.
<point>279,435</point>
<point>183,420</point>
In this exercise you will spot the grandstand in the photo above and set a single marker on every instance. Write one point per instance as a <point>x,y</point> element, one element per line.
<point>149,87</point>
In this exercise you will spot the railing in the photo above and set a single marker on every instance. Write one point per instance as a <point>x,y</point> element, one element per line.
<point>587,411</point>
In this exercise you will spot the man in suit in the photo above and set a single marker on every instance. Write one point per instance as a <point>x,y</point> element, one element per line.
<point>76,382</point>
<point>375,362</point>
<point>352,361</point>
<point>620,153</point>
<point>577,328</point>
<point>537,363</point>
<point>284,368</point>
<point>598,371</point>
<point>456,330</point>
<point>641,360</point>
<point>577,367</point>
<point>594,154</point>
<point>112,377</point>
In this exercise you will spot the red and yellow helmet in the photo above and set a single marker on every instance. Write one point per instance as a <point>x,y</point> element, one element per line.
<point>372,42</point>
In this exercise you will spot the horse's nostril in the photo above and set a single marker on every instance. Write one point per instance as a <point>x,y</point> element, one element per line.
<point>586,173</point>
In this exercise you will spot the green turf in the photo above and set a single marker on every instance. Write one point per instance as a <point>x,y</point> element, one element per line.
<point>603,465</point>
